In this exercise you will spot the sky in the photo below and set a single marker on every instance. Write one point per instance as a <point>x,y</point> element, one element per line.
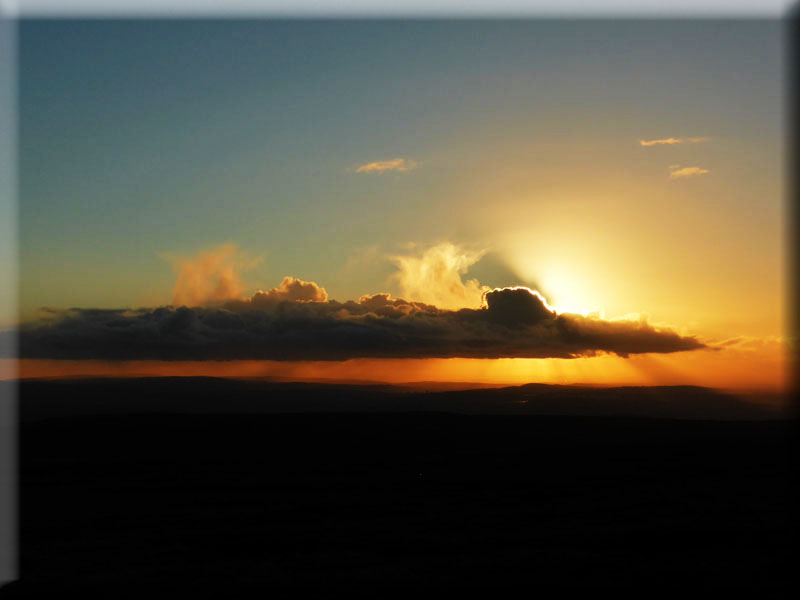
<point>622,168</point>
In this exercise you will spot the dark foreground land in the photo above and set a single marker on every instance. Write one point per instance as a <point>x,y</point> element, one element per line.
<point>198,486</point>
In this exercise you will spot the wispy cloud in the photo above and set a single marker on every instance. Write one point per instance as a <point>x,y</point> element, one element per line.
<point>670,141</point>
<point>678,172</point>
<point>210,276</point>
<point>660,142</point>
<point>434,277</point>
<point>394,164</point>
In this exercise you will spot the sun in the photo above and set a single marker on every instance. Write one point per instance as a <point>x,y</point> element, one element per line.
<point>565,290</point>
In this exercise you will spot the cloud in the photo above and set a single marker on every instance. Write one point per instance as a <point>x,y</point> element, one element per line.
<point>210,276</point>
<point>290,290</point>
<point>297,321</point>
<point>434,277</point>
<point>671,141</point>
<point>515,305</point>
<point>660,142</point>
<point>676,171</point>
<point>768,344</point>
<point>395,164</point>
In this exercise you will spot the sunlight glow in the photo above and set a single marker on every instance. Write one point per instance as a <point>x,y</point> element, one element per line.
<point>564,290</point>
<point>755,365</point>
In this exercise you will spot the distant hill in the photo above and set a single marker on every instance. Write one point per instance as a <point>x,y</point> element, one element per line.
<point>203,395</point>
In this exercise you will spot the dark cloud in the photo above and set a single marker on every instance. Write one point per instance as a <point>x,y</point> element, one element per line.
<point>298,322</point>
<point>517,306</point>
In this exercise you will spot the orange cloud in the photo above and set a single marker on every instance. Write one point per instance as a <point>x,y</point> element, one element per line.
<point>660,142</point>
<point>395,164</point>
<point>671,141</point>
<point>291,290</point>
<point>210,276</point>
<point>677,172</point>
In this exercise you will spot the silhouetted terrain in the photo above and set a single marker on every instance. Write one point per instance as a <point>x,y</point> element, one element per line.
<point>204,485</point>
<point>48,398</point>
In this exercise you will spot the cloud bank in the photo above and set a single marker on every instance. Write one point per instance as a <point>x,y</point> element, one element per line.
<point>395,164</point>
<point>297,321</point>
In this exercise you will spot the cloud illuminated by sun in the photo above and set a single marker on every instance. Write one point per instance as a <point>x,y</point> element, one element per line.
<point>671,141</point>
<point>527,289</point>
<point>677,172</point>
<point>395,164</point>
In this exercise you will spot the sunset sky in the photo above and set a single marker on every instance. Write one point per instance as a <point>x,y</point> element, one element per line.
<point>632,172</point>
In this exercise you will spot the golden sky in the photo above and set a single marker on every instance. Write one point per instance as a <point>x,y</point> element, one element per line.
<point>630,172</point>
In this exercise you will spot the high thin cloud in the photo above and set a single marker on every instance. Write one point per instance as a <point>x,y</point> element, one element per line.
<point>434,277</point>
<point>297,321</point>
<point>671,141</point>
<point>395,164</point>
<point>677,172</point>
